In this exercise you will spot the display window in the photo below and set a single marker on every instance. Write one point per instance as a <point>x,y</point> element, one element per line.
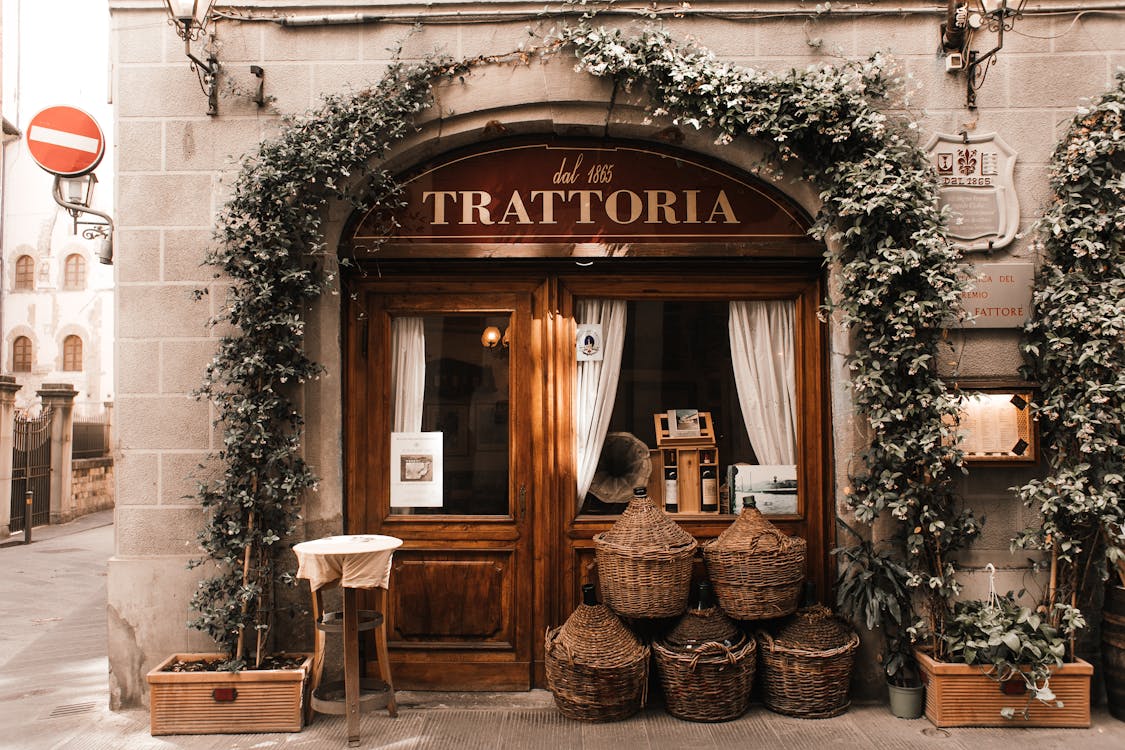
<point>712,378</point>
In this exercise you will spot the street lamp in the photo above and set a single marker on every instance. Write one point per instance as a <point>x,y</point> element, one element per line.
<point>75,195</point>
<point>965,19</point>
<point>190,19</point>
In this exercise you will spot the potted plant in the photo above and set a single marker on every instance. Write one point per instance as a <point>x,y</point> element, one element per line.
<point>872,590</point>
<point>1000,641</point>
<point>253,506</point>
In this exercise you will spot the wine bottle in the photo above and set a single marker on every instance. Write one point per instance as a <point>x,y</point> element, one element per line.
<point>709,490</point>
<point>671,491</point>
<point>808,594</point>
<point>589,594</point>
<point>705,595</point>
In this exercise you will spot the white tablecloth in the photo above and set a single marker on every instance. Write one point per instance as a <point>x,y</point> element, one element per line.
<point>360,561</point>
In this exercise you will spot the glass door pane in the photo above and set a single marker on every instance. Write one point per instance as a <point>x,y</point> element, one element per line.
<point>454,385</point>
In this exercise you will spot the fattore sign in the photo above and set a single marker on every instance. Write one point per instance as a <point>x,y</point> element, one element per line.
<point>976,182</point>
<point>999,296</point>
<point>562,192</point>
<point>65,141</point>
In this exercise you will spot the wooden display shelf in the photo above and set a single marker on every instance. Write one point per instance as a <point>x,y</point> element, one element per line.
<point>690,463</point>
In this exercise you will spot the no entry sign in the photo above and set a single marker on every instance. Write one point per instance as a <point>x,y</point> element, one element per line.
<point>65,141</point>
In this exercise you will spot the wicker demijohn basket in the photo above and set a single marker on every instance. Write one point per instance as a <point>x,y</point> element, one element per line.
<point>806,668</point>
<point>706,666</point>
<point>756,569</point>
<point>644,562</point>
<point>596,668</point>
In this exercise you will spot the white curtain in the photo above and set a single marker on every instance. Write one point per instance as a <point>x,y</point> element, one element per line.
<point>596,386</point>
<point>408,373</point>
<point>762,352</point>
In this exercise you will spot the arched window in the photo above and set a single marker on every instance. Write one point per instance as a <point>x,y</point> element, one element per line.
<point>25,272</point>
<point>74,274</point>
<point>72,354</point>
<point>21,354</point>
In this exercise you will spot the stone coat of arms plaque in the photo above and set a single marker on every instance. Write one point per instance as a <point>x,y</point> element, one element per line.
<point>975,180</point>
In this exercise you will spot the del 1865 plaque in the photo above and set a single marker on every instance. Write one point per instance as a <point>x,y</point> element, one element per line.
<point>975,174</point>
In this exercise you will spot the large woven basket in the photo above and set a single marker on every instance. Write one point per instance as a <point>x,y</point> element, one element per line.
<point>644,563</point>
<point>699,626</point>
<point>756,569</point>
<point>596,668</point>
<point>706,667</point>
<point>806,668</point>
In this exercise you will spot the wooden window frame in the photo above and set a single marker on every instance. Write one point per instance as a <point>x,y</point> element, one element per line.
<point>74,272</point>
<point>24,280</point>
<point>23,354</point>
<point>73,353</point>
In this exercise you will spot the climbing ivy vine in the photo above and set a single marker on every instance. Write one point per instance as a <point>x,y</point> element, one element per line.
<point>897,283</point>
<point>1076,348</point>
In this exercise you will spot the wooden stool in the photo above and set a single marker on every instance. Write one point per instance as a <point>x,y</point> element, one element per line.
<point>352,562</point>
<point>367,691</point>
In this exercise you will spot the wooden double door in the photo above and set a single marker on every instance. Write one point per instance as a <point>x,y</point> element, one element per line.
<point>466,377</point>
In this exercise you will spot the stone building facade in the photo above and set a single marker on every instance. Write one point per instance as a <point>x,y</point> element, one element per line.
<point>174,165</point>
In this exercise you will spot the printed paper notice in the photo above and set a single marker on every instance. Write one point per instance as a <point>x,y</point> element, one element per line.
<point>588,342</point>
<point>416,469</point>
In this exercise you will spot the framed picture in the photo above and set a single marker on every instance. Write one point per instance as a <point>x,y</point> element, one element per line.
<point>490,425</point>
<point>683,423</point>
<point>452,421</point>
<point>773,487</point>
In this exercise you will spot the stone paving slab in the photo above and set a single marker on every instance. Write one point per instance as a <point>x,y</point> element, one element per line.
<point>53,692</point>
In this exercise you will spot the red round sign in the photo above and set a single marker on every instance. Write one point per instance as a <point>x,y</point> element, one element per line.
<point>65,141</point>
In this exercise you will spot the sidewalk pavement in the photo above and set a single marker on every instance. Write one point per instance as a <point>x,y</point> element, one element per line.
<point>53,690</point>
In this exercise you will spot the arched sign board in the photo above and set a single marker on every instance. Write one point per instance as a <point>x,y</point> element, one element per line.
<point>65,141</point>
<point>580,192</point>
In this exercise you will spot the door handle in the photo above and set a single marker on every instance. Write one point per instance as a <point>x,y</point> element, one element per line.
<point>522,502</point>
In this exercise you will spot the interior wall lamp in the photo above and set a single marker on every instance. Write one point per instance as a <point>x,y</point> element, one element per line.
<point>491,338</point>
<point>190,19</point>
<point>964,20</point>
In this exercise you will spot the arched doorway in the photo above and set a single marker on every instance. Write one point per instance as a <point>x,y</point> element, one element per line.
<point>515,267</point>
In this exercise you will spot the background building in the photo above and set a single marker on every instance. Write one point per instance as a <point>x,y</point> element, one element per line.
<point>57,297</point>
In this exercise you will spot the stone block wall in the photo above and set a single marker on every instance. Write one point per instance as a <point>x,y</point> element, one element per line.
<point>175,165</point>
<point>92,486</point>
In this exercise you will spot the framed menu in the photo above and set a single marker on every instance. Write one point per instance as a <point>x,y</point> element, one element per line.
<point>995,426</point>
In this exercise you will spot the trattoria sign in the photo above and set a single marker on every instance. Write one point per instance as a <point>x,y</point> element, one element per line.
<point>561,192</point>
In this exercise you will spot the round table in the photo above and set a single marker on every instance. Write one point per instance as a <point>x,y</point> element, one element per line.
<point>352,561</point>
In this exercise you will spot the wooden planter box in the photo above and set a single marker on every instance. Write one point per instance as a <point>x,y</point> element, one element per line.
<point>961,695</point>
<point>265,700</point>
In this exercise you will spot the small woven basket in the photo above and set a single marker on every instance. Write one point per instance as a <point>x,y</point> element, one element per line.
<point>596,668</point>
<point>757,570</point>
<point>644,563</point>
<point>706,667</point>
<point>806,668</point>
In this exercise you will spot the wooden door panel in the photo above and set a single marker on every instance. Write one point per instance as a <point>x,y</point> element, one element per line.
<point>457,597</point>
<point>460,610</point>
